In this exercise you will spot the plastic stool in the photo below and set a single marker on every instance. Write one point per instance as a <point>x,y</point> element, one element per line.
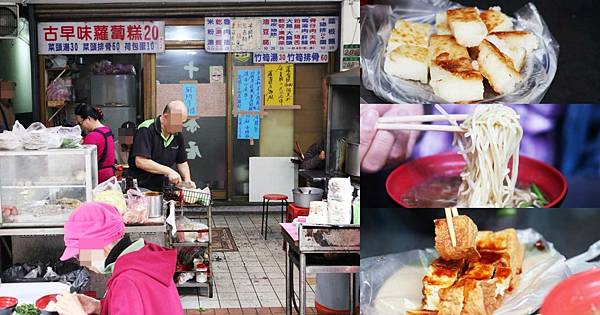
<point>265,214</point>
<point>294,211</point>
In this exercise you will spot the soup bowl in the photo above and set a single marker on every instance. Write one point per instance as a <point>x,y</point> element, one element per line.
<point>449,165</point>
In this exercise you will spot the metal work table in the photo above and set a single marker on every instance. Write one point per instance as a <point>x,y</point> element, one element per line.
<point>319,249</point>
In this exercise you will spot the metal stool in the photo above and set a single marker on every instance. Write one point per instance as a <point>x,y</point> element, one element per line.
<point>265,214</point>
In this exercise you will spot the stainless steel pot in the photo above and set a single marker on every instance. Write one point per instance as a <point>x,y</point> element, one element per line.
<point>304,195</point>
<point>155,204</point>
<point>352,159</point>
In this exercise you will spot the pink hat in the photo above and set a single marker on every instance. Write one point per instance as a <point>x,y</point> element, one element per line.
<point>92,226</point>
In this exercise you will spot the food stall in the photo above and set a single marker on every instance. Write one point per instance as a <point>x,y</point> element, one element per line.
<point>196,53</point>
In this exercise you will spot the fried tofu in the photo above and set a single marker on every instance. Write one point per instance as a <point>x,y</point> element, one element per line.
<point>495,20</point>
<point>522,39</point>
<point>465,231</point>
<point>458,287</point>
<point>497,68</point>
<point>441,24</point>
<point>466,26</point>
<point>409,33</point>
<point>441,274</point>
<point>408,62</point>
<point>455,80</point>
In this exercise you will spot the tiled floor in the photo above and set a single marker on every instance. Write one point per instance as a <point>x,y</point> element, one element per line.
<point>252,278</point>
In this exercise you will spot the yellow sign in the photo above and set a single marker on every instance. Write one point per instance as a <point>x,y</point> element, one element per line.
<point>279,84</point>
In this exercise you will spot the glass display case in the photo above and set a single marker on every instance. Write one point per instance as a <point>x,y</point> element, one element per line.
<point>40,188</point>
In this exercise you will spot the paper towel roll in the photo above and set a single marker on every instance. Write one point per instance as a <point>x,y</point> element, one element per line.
<point>339,212</point>
<point>317,213</point>
<point>340,189</point>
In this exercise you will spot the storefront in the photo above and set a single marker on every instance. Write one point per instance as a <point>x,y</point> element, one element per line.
<point>195,60</point>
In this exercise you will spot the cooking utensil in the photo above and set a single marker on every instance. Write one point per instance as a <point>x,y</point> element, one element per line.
<point>299,151</point>
<point>304,195</point>
<point>155,204</point>
<point>352,166</point>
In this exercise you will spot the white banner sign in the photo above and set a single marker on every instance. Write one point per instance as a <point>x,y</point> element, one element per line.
<point>317,57</point>
<point>63,38</point>
<point>272,34</point>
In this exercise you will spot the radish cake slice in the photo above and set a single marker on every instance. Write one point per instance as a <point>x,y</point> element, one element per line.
<point>467,26</point>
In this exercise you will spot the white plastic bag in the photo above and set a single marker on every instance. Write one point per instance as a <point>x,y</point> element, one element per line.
<point>392,284</point>
<point>70,136</point>
<point>195,231</point>
<point>38,137</point>
<point>110,192</point>
<point>137,207</point>
<point>377,22</point>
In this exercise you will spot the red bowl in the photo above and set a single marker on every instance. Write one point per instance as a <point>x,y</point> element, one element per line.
<point>8,302</point>
<point>579,294</point>
<point>414,173</point>
<point>42,302</point>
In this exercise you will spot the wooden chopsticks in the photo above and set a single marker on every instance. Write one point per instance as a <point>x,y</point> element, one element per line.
<point>451,212</point>
<point>407,123</point>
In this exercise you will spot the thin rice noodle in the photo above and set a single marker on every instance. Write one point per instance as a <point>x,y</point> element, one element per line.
<point>489,145</point>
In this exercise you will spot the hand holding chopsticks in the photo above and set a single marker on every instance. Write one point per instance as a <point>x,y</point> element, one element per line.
<point>407,123</point>
<point>451,212</point>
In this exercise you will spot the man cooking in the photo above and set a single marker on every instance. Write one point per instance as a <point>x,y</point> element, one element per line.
<point>158,145</point>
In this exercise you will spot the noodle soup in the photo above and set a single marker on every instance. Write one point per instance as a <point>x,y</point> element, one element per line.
<point>442,192</point>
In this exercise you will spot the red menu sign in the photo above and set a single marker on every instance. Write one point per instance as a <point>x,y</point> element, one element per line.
<point>63,38</point>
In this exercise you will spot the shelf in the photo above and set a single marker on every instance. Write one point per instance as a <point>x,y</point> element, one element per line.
<point>44,186</point>
<point>37,231</point>
<point>203,244</point>
<point>192,284</point>
<point>63,68</point>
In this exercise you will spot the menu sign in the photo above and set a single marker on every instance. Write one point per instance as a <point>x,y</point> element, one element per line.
<point>217,34</point>
<point>272,34</point>
<point>127,37</point>
<point>316,57</point>
<point>249,87</point>
<point>248,126</point>
<point>244,34</point>
<point>299,33</point>
<point>279,85</point>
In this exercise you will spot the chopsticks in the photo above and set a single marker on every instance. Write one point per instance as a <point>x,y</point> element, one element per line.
<point>406,123</point>
<point>451,212</point>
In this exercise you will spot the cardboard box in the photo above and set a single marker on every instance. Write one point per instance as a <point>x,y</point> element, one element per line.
<point>7,89</point>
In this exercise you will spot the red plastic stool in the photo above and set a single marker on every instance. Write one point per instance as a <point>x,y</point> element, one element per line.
<point>293,211</point>
<point>265,214</point>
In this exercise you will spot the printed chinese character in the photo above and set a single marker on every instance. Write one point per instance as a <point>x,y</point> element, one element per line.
<point>84,32</point>
<point>191,125</point>
<point>50,46</point>
<point>226,21</point>
<point>143,46</point>
<point>135,46</point>
<point>210,31</point>
<point>127,46</point>
<point>219,21</point>
<point>273,57</point>
<point>107,46</point>
<point>86,46</point>
<point>298,57</point>
<point>117,32</point>
<point>67,32</point>
<point>100,47</point>
<point>134,32</point>
<point>210,21</point>
<point>58,47</point>
<point>66,47</point>
<point>50,34</point>
<point>93,46</point>
<point>100,32</point>
<point>306,57</point>
<point>193,151</point>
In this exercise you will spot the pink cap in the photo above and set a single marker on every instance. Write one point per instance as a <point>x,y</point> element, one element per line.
<point>92,226</point>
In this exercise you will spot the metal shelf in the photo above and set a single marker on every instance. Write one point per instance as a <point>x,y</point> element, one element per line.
<point>43,186</point>
<point>192,284</point>
<point>60,231</point>
<point>200,244</point>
